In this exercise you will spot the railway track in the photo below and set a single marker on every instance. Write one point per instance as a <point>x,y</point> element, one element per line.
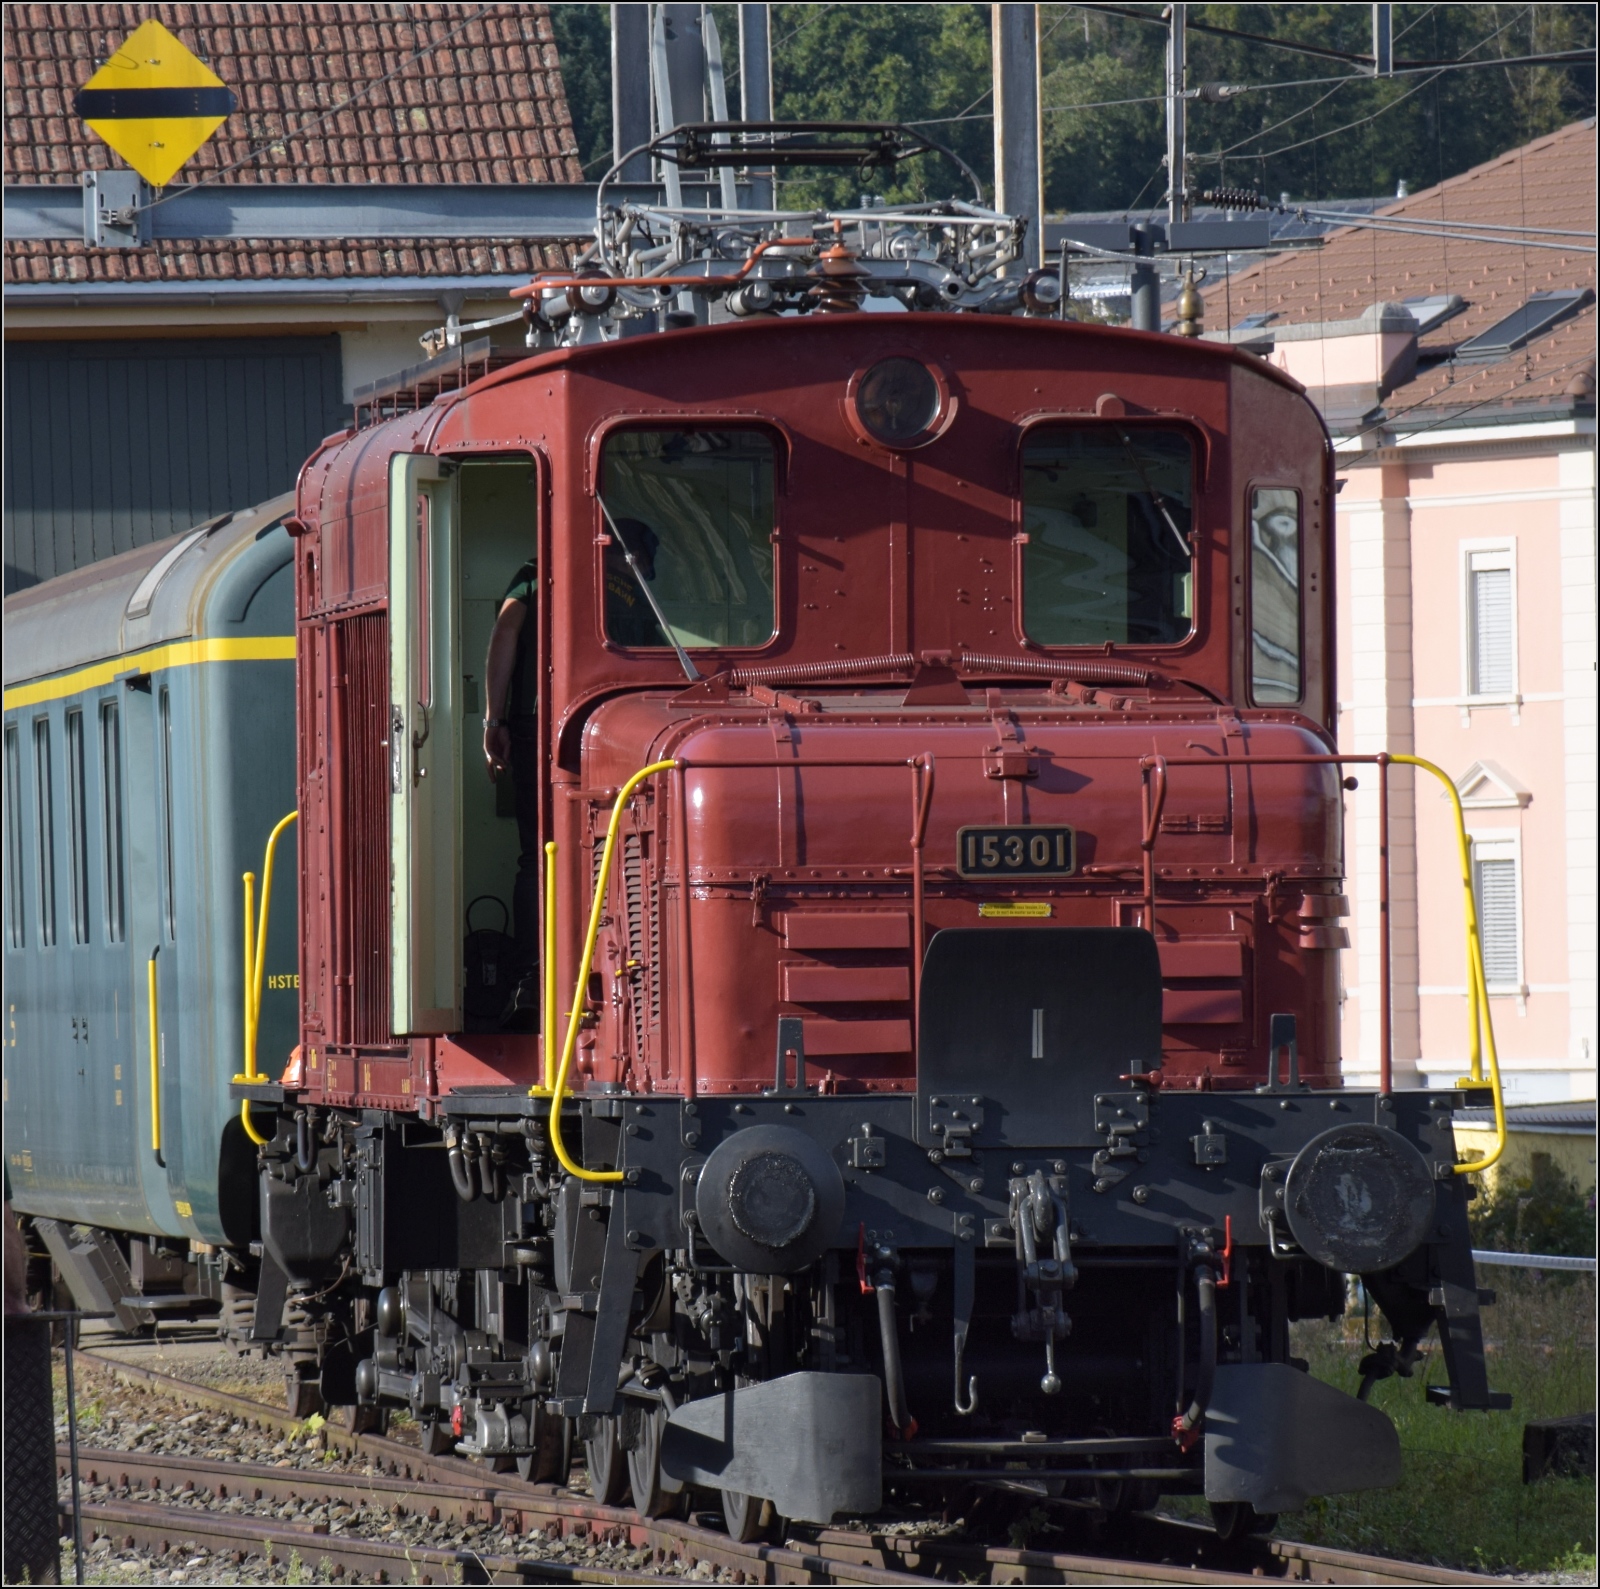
<point>161,1502</point>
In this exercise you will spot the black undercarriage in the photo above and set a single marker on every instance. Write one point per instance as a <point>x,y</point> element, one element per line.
<point>1095,1312</point>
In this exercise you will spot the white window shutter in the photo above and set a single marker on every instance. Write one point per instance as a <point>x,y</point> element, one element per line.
<point>1497,920</point>
<point>1491,616</point>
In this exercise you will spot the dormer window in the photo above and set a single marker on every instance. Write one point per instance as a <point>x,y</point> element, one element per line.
<point>1542,312</point>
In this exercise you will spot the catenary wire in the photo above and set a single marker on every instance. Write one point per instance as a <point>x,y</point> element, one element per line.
<point>1363,121</point>
<point>1458,233</point>
<point>1553,57</point>
<point>1267,88</point>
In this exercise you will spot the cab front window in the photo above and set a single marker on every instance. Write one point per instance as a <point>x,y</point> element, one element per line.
<point>1107,510</point>
<point>694,508</point>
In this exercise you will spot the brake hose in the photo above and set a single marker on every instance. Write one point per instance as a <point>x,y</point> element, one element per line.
<point>1185,1427</point>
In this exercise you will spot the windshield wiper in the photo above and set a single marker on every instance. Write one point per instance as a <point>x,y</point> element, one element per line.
<point>690,671</point>
<point>1155,497</point>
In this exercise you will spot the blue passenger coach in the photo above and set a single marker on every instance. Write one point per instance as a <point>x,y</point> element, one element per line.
<point>149,753</point>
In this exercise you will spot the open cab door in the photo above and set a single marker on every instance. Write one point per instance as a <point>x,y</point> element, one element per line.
<point>424,746</point>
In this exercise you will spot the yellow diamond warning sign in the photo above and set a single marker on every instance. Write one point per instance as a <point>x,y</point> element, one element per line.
<point>155,103</point>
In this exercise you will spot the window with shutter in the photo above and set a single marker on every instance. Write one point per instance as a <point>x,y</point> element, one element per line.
<point>1494,876</point>
<point>1491,619</point>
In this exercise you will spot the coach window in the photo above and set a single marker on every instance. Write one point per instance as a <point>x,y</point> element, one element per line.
<point>77,827</point>
<point>16,930</point>
<point>1275,621</point>
<point>695,510</point>
<point>1107,511</point>
<point>111,819</point>
<point>168,867</point>
<point>44,828</point>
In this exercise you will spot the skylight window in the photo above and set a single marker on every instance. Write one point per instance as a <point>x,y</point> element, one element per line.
<point>1434,310</point>
<point>1542,311</point>
<point>1253,322</point>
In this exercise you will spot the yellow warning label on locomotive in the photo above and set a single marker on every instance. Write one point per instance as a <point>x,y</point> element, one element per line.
<point>1015,909</point>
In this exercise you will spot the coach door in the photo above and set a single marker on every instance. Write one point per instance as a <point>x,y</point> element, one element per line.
<point>424,745</point>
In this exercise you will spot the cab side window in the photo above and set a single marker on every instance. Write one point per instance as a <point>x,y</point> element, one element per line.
<point>1107,512</point>
<point>695,509</point>
<point>1275,612</point>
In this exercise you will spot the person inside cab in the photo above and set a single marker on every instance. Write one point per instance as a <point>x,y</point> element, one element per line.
<point>511,729</point>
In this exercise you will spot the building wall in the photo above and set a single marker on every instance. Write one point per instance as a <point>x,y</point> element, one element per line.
<point>1410,519</point>
<point>1572,1152</point>
<point>110,444</point>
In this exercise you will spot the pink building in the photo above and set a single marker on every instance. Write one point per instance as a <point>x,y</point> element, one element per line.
<point>1453,357</point>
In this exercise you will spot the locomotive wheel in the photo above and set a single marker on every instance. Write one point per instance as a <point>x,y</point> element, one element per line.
<point>608,1473</point>
<point>1239,1519</point>
<point>361,1420</point>
<point>550,1462</point>
<point>644,1467</point>
<point>1119,1497</point>
<point>303,1397</point>
<point>437,1437</point>
<point>746,1517</point>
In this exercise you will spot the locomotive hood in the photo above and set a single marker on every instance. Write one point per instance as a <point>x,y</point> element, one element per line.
<point>797,825</point>
<point>819,790</point>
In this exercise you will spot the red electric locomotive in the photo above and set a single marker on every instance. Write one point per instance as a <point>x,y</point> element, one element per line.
<point>918,1052</point>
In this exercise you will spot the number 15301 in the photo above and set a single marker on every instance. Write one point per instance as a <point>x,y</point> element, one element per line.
<point>1015,852</point>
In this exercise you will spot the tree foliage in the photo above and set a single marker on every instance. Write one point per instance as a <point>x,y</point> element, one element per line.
<point>906,63</point>
<point>1346,135</point>
<point>583,44</point>
<point>1542,1211</point>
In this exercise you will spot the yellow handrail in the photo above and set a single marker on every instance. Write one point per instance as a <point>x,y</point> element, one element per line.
<point>597,910</point>
<point>155,1058</point>
<point>547,1025</point>
<point>248,1073</point>
<point>258,970</point>
<point>249,968</point>
<point>255,960</point>
<point>1479,1020</point>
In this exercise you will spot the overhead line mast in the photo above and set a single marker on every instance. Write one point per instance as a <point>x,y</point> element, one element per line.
<point>1177,115</point>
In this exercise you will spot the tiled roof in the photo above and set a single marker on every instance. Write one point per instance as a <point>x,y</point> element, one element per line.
<point>1575,1117</point>
<point>1549,182</point>
<point>485,103</point>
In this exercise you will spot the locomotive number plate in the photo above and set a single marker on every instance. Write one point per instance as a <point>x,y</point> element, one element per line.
<point>1016,852</point>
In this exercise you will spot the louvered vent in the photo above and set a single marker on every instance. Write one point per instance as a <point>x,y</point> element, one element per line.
<point>638,950</point>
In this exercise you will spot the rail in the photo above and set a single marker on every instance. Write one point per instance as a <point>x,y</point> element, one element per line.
<point>402,1480</point>
<point>255,960</point>
<point>1480,1023</point>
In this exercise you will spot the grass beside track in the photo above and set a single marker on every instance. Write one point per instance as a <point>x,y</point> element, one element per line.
<point>1462,1502</point>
